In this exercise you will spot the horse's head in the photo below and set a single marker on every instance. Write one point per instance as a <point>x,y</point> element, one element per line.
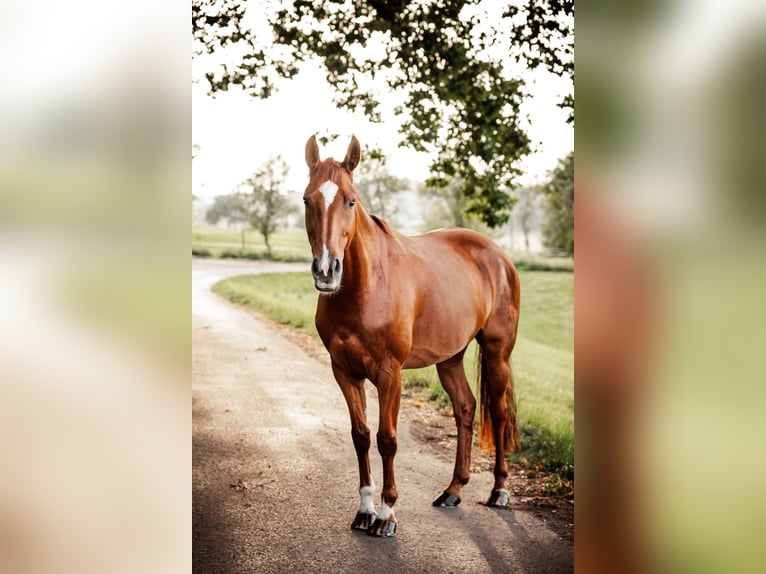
<point>330,198</point>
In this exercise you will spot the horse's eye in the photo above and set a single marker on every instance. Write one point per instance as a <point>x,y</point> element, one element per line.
<point>306,201</point>
<point>351,202</point>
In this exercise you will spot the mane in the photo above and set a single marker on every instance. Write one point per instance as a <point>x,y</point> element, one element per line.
<point>382,223</point>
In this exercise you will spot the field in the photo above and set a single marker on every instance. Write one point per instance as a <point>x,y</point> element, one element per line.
<point>213,241</point>
<point>543,360</point>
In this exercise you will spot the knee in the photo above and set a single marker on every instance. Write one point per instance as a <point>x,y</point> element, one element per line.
<point>464,412</point>
<point>467,410</point>
<point>500,411</point>
<point>361,438</point>
<point>387,443</point>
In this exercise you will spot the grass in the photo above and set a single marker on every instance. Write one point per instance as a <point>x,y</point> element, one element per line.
<point>289,298</point>
<point>213,241</point>
<point>527,263</point>
<point>543,360</point>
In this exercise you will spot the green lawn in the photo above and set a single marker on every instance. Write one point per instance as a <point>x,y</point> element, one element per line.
<point>289,298</point>
<point>214,241</point>
<point>543,360</point>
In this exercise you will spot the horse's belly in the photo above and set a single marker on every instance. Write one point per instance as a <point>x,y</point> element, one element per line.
<point>420,360</point>
<point>449,318</point>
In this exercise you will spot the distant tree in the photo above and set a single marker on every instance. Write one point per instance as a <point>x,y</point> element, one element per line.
<point>446,205</point>
<point>266,199</point>
<point>525,210</point>
<point>231,208</point>
<point>558,227</point>
<point>449,207</point>
<point>378,187</point>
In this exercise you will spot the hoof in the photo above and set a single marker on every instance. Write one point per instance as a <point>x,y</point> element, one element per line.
<point>447,500</point>
<point>498,499</point>
<point>362,521</point>
<point>382,528</point>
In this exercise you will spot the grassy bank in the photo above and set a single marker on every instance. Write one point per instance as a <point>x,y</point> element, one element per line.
<point>543,361</point>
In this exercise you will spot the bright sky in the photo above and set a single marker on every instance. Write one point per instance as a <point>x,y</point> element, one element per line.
<point>236,134</point>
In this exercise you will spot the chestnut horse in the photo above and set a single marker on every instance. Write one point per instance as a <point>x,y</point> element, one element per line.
<point>390,302</point>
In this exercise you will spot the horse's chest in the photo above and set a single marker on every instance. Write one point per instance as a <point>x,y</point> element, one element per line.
<point>359,349</point>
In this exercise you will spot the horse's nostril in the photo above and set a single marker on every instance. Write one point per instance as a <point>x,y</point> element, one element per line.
<point>336,267</point>
<point>315,266</point>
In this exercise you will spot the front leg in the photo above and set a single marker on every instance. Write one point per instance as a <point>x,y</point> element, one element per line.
<point>356,399</point>
<point>389,383</point>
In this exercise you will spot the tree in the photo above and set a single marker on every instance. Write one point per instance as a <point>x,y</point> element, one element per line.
<point>558,228</point>
<point>462,102</point>
<point>378,186</point>
<point>525,209</point>
<point>448,207</point>
<point>231,208</point>
<point>266,199</point>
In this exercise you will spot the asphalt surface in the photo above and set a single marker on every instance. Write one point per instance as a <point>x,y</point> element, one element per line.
<point>275,481</point>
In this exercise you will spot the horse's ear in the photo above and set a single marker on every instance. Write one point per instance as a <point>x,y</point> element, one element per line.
<point>312,152</point>
<point>352,155</point>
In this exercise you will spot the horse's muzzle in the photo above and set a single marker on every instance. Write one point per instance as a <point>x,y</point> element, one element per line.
<point>327,273</point>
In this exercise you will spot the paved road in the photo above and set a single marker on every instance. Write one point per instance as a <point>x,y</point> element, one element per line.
<point>274,471</point>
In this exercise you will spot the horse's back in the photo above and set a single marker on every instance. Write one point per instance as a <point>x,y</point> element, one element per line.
<point>462,240</point>
<point>468,251</point>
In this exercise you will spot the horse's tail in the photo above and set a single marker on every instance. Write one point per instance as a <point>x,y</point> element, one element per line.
<point>486,433</point>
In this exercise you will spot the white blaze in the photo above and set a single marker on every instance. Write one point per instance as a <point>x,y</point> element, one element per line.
<point>324,262</point>
<point>328,189</point>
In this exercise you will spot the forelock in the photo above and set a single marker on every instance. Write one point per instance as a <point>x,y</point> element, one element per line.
<point>329,170</point>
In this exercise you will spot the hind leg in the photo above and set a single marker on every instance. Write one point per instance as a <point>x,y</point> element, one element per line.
<point>498,386</point>
<point>498,380</point>
<point>497,339</point>
<point>452,377</point>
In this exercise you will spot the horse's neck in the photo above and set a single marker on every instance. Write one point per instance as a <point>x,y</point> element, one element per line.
<point>369,249</point>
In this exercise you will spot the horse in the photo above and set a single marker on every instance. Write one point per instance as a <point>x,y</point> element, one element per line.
<point>389,302</point>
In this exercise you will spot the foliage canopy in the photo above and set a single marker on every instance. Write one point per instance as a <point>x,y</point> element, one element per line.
<point>449,59</point>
